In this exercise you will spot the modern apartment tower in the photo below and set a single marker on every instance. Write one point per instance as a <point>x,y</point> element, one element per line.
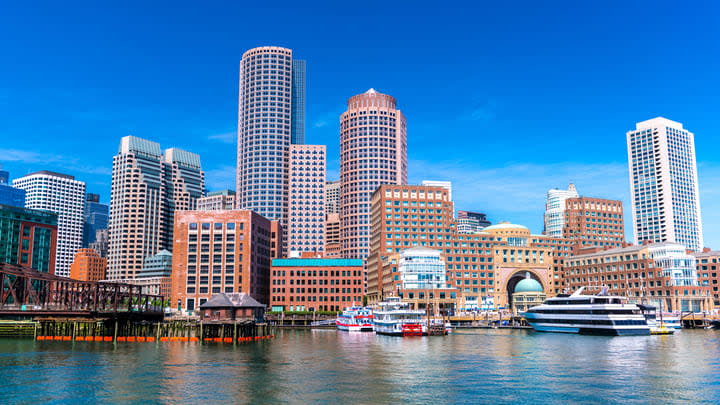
<point>555,210</point>
<point>664,183</point>
<point>373,151</point>
<point>148,186</point>
<point>65,196</point>
<point>306,208</point>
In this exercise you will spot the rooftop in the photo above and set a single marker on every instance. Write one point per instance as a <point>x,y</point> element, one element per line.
<point>233,300</point>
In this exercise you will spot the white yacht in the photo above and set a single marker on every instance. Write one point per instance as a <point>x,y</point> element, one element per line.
<point>394,317</point>
<point>355,319</point>
<point>588,314</point>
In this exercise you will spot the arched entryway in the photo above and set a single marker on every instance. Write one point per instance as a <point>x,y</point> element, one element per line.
<point>515,279</point>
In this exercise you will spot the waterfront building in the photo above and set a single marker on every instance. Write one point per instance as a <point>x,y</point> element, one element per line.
<point>654,271</point>
<point>232,307</point>
<point>595,222</point>
<point>65,196</point>
<point>316,284</point>
<point>96,217</point>
<point>148,187</point>
<point>555,210</point>
<point>332,197</point>
<point>10,195</point>
<point>664,183</point>
<point>471,222</point>
<point>220,252</point>
<point>88,266</point>
<point>29,237</point>
<point>101,243</point>
<point>217,200</point>
<point>268,123</point>
<point>306,205</point>
<point>332,236</point>
<point>373,151</point>
<point>707,271</point>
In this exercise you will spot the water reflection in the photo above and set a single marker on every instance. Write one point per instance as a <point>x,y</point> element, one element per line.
<point>301,366</point>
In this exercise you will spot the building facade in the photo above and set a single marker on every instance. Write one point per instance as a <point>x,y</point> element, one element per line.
<point>664,183</point>
<point>306,206</point>
<point>555,210</point>
<point>29,237</point>
<point>268,123</point>
<point>88,266</point>
<point>332,197</point>
<point>101,243</point>
<point>217,200</point>
<point>707,263</point>
<point>10,195</point>
<point>594,222</point>
<point>96,217</point>
<point>156,274</point>
<point>654,272</point>
<point>65,196</point>
<point>148,186</point>
<point>332,236</point>
<point>471,222</point>
<point>316,284</point>
<point>220,251</point>
<point>373,151</point>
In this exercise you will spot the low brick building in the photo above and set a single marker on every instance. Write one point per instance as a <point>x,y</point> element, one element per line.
<point>315,284</point>
<point>88,266</point>
<point>232,307</point>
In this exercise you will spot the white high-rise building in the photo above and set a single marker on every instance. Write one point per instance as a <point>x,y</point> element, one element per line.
<point>555,210</point>
<point>332,197</point>
<point>437,183</point>
<point>148,186</point>
<point>664,183</point>
<point>65,196</point>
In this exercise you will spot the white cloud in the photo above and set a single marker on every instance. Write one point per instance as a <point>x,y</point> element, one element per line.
<point>227,137</point>
<point>320,124</point>
<point>65,163</point>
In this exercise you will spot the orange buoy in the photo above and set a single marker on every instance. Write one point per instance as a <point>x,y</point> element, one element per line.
<point>130,339</point>
<point>164,339</point>
<point>194,339</point>
<point>149,339</point>
<point>108,338</point>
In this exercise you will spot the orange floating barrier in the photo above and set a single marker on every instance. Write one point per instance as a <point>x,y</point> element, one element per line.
<point>79,338</point>
<point>107,338</point>
<point>149,339</point>
<point>164,339</point>
<point>217,340</point>
<point>140,339</point>
<point>57,337</point>
<point>130,339</point>
<point>227,340</point>
<point>208,339</point>
<point>121,338</point>
<point>40,337</point>
<point>194,339</point>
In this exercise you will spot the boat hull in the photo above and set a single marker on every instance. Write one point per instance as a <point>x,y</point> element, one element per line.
<point>354,328</point>
<point>592,331</point>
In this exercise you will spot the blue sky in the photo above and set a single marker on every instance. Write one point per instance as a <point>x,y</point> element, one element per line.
<point>505,100</point>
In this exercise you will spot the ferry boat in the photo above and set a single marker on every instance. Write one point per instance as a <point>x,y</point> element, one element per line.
<point>588,314</point>
<point>355,319</point>
<point>395,318</point>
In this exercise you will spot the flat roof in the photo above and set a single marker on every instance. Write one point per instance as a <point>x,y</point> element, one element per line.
<point>315,262</point>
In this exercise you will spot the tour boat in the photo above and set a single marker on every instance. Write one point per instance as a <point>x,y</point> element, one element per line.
<point>395,318</point>
<point>355,319</point>
<point>588,314</point>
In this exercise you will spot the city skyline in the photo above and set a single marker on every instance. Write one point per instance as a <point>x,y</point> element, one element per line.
<point>570,95</point>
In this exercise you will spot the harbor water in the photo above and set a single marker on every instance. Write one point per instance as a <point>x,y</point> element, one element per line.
<point>327,366</point>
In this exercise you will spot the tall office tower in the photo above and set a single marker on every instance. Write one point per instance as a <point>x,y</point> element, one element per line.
<point>306,208</point>
<point>471,222</point>
<point>664,183</point>
<point>147,187</point>
<point>217,200</point>
<point>594,222</point>
<point>65,196</point>
<point>265,131</point>
<point>298,102</point>
<point>332,197</point>
<point>373,151</point>
<point>10,195</point>
<point>102,242</point>
<point>555,210</point>
<point>96,217</point>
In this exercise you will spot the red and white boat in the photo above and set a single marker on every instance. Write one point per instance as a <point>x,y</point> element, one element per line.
<point>355,319</point>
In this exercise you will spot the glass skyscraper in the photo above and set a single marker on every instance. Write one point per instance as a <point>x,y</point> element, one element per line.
<point>298,102</point>
<point>663,183</point>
